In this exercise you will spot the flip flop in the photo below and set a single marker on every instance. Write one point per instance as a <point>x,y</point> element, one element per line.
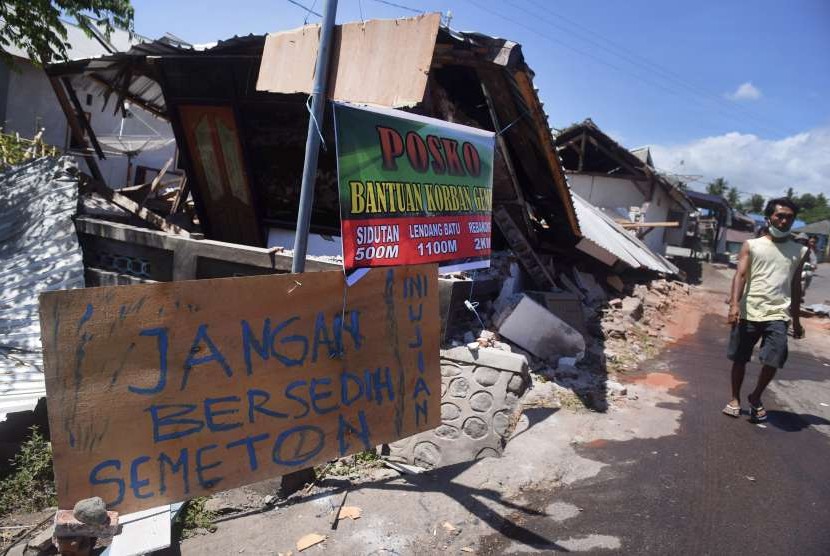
<point>757,413</point>
<point>732,411</point>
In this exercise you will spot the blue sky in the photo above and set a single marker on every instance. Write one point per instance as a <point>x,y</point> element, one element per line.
<point>740,89</point>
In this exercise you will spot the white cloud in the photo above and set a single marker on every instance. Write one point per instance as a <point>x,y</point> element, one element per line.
<point>745,91</point>
<point>753,164</point>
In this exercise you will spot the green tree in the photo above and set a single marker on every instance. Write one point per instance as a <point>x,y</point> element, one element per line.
<point>806,201</point>
<point>755,203</point>
<point>733,197</point>
<point>717,186</point>
<point>790,193</point>
<point>36,27</point>
<point>820,210</point>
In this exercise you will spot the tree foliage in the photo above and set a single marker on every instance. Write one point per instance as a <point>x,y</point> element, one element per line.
<point>733,197</point>
<point>36,27</point>
<point>718,186</point>
<point>755,203</point>
<point>812,208</point>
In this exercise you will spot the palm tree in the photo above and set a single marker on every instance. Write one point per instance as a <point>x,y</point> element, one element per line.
<point>717,186</point>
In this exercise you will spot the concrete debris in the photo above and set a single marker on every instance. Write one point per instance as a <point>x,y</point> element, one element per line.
<point>624,332</point>
<point>91,511</point>
<point>632,307</point>
<point>479,408</point>
<point>536,329</point>
<point>66,525</point>
<point>615,388</point>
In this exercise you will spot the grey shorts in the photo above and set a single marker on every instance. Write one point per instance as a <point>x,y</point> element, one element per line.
<point>773,336</point>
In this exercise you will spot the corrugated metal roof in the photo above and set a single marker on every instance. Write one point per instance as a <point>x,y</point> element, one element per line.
<point>821,227</point>
<point>40,251</point>
<point>601,233</point>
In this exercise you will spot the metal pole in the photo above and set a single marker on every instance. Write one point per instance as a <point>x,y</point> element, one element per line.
<point>312,144</point>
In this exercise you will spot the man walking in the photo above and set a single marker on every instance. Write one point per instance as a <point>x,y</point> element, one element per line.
<point>766,296</point>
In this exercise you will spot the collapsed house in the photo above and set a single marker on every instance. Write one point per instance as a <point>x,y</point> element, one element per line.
<point>132,145</point>
<point>625,184</point>
<point>241,148</point>
<point>713,219</point>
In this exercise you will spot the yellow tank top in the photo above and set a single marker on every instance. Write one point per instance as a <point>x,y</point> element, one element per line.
<point>767,294</point>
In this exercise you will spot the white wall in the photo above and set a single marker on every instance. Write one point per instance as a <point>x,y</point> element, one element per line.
<point>614,194</point>
<point>32,104</point>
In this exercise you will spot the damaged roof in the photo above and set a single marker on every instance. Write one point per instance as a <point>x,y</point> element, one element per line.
<point>609,242</point>
<point>160,76</point>
<point>600,153</point>
<point>40,251</point>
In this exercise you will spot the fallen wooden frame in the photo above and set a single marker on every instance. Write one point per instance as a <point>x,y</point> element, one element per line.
<point>134,208</point>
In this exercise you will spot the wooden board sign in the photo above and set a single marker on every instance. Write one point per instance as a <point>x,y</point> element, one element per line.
<point>162,392</point>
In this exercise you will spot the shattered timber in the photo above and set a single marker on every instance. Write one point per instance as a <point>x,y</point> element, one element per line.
<point>571,298</point>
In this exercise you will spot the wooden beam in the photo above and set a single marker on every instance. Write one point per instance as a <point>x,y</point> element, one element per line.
<point>545,142</point>
<point>508,162</point>
<point>67,83</point>
<point>181,196</point>
<point>157,181</point>
<point>134,208</point>
<point>154,110</point>
<point>75,128</point>
<point>605,150</point>
<point>582,151</point>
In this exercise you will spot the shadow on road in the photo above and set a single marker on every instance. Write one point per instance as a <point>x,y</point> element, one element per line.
<point>789,421</point>
<point>442,481</point>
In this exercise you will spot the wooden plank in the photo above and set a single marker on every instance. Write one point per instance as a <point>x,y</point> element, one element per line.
<point>522,248</point>
<point>517,188</point>
<point>154,185</point>
<point>79,110</point>
<point>545,140</point>
<point>382,62</point>
<point>137,100</point>
<point>75,127</point>
<point>134,208</point>
<point>162,392</point>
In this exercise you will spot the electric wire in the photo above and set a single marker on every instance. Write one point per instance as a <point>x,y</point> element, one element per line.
<point>635,59</point>
<point>306,8</point>
<point>644,79</point>
<point>401,6</point>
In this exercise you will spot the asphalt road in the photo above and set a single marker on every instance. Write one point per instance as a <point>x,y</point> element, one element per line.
<point>721,485</point>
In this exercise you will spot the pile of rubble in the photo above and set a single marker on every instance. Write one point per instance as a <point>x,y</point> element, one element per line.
<point>579,340</point>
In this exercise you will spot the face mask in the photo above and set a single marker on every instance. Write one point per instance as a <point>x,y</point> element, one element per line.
<point>776,233</point>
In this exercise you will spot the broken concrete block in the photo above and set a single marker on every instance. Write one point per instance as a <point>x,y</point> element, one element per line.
<point>632,307</point>
<point>479,405</point>
<point>91,511</point>
<point>536,329</point>
<point>67,526</point>
<point>512,285</point>
<point>43,540</point>
<point>654,299</point>
<point>614,330</point>
<point>564,305</point>
<point>615,388</point>
<point>594,292</point>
